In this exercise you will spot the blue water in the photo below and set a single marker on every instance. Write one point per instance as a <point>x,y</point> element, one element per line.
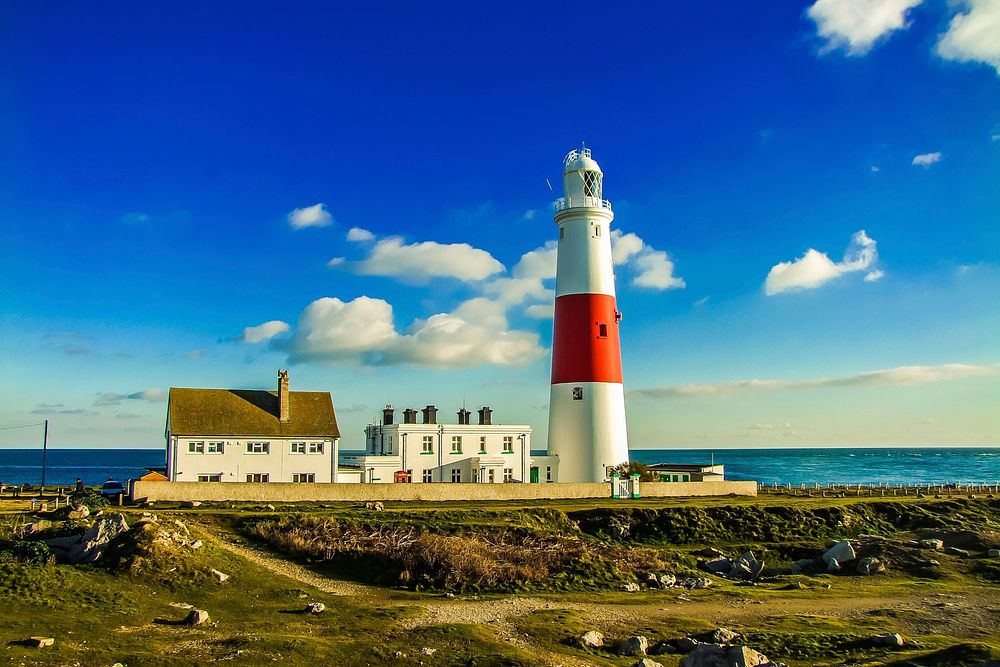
<point>783,466</point>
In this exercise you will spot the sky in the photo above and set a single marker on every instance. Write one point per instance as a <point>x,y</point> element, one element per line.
<point>806,197</point>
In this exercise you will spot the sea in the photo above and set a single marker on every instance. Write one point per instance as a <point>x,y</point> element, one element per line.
<point>874,466</point>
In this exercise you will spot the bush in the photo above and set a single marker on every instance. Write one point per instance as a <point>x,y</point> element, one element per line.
<point>25,551</point>
<point>88,498</point>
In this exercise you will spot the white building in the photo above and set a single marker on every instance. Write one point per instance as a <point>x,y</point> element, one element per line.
<point>462,452</point>
<point>235,435</point>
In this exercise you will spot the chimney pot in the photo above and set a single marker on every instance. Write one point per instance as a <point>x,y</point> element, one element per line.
<point>430,414</point>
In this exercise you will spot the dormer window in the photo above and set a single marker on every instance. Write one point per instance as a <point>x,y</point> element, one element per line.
<point>592,184</point>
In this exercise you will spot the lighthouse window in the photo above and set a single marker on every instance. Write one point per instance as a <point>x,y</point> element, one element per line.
<point>577,393</point>
<point>562,233</point>
<point>591,184</point>
<point>597,230</point>
<point>602,330</point>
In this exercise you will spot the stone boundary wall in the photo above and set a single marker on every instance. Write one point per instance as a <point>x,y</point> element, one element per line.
<point>289,492</point>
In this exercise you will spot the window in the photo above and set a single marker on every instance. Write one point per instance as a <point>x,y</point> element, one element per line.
<point>456,474</point>
<point>258,447</point>
<point>591,184</point>
<point>258,477</point>
<point>492,475</point>
<point>508,444</point>
<point>577,393</point>
<point>428,444</point>
<point>210,478</point>
<point>196,447</point>
<point>508,474</point>
<point>482,444</point>
<point>548,473</point>
<point>215,447</point>
<point>562,232</point>
<point>685,478</point>
<point>298,448</point>
<point>597,231</point>
<point>456,444</point>
<point>602,330</point>
<point>304,477</point>
<point>315,447</point>
<point>427,476</point>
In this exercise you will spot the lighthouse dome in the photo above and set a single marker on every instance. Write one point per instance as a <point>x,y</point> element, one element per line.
<point>583,182</point>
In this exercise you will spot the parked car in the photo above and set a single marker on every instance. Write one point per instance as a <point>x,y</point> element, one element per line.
<point>111,488</point>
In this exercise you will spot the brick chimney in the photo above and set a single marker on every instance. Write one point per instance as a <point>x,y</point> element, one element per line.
<point>409,416</point>
<point>485,416</point>
<point>430,414</point>
<point>387,413</point>
<point>284,413</point>
<point>463,416</point>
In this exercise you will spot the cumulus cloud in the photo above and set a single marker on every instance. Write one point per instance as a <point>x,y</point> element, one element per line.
<point>358,235</point>
<point>310,216</point>
<point>973,35</point>
<point>538,263</point>
<point>148,395</point>
<point>815,268</point>
<point>363,330</point>
<point>926,159</point>
<point>901,376</point>
<point>540,311</point>
<point>135,218</point>
<point>417,261</point>
<point>654,268</point>
<point>874,276</point>
<point>855,25</point>
<point>264,332</point>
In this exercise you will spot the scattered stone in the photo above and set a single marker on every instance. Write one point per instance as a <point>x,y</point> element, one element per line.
<point>833,565</point>
<point>869,565</point>
<point>631,587</point>
<point>39,526</point>
<point>667,581</point>
<point>181,605</point>
<point>955,551</point>
<point>591,639</point>
<point>934,544</point>
<point>802,564</point>
<point>663,647</point>
<point>993,553</point>
<point>219,576</point>
<point>428,651</point>
<point>933,562</point>
<point>719,565</point>
<point>379,507</point>
<point>41,642</point>
<point>118,664</point>
<point>841,552</point>
<point>90,546</point>
<point>315,608</point>
<point>196,544</point>
<point>686,644</point>
<point>399,654</point>
<point>647,662</point>
<point>724,636</point>
<point>190,504</point>
<point>196,617</point>
<point>713,655</point>
<point>651,580</point>
<point>637,645</point>
<point>746,567</point>
<point>78,513</point>
<point>888,639</point>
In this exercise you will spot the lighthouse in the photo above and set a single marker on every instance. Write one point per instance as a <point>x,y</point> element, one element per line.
<point>587,400</point>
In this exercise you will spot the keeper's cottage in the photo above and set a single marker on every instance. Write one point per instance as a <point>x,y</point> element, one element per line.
<point>238,435</point>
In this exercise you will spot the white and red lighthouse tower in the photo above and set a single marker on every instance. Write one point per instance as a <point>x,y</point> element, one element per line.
<point>587,402</point>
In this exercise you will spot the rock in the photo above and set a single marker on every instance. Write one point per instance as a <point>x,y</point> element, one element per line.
<point>219,576</point>
<point>631,587</point>
<point>181,605</point>
<point>869,565</point>
<point>637,645</point>
<point>41,642</point>
<point>378,507</point>
<point>651,580</point>
<point>196,617</point>
<point>269,507</point>
<point>742,656</point>
<point>428,651</point>
<point>196,544</point>
<point>686,644</point>
<point>95,541</point>
<point>591,639</point>
<point>76,514</point>
<point>993,553</point>
<point>888,639</point>
<point>833,565</point>
<point>713,655</point>
<point>38,527</point>
<point>315,608</point>
<point>646,662</point>
<point>934,544</point>
<point>668,581</point>
<point>663,648</point>
<point>724,636</point>
<point>709,552</point>
<point>841,551</point>
<point>955,551</point>
<point>719,565</point>
<point>746,567</point>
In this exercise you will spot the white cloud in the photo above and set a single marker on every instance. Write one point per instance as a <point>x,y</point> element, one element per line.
<point>902,376</point>
<point>263,332</point>
<point>540,311</point>
<point>974,35</point>
<point>815,268</point>
<point>310,216</point>
<point>529,214</point>
<point>855,25</point>
<point>476,333</point>
<point>512,291</point>
<point>149,395</point>
<point>429,259</point>
<point>654,268</point>
<point>336,261</point>
<point>875,169</point>
<point>135,218</point>
<point>874,276</point>
<point>926,159</point>
<point>357,234</point>
<point>624,246</point>
<point>538,263</point>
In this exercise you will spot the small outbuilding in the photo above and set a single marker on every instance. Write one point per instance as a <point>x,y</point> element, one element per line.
<point>688,472</point>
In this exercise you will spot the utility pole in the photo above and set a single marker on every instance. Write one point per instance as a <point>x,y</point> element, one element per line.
<point>45,451</point>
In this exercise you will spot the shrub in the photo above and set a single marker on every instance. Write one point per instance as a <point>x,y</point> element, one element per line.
<point>88,498</point>
<point>25,551</point>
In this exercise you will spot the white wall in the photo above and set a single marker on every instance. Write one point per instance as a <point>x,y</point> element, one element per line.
<point>234,462</point>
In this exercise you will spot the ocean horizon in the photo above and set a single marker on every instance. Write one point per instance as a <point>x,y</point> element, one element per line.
<point>799,465</point>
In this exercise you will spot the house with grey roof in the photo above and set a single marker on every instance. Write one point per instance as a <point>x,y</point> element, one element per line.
<point>240,435</point>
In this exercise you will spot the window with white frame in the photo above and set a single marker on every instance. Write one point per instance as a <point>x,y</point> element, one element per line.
<point>315,447</point>
<point>196,447</point>
<point>258,477</point>
<point>482,444</point>
<point>548,473</point>
<point>298,448</point>
<point>215,447</point>
<point>508,474</point>
<point>216,477</point>
<point>304,477</point>
<point>456,444</point>
<point>258,448</point>
<point>428,476</point>
<point>428,444</point>
<point>508,444</point>
<point>456,474</point>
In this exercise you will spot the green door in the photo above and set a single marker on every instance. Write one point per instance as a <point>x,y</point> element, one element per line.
<point>534,475</point>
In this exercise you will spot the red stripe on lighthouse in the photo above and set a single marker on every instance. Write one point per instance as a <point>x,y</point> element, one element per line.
<point>585,345</point>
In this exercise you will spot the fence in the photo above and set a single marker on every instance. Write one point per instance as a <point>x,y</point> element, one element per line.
<point>883,490</point>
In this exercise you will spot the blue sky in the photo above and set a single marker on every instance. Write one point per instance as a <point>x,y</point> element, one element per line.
<point>807,204</point>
